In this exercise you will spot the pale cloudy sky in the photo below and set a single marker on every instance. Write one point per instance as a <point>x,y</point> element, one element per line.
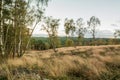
<point>108,11</point>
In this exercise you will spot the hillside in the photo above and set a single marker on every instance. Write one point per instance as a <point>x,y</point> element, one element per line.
<point>69,63</point>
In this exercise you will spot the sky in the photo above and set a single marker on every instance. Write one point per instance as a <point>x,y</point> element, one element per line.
<point>108,11</point>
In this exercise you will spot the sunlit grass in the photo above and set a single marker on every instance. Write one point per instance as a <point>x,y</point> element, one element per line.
<point>66,64</point>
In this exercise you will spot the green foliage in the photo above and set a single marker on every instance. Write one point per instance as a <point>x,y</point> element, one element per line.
<point>50,26</point>
<point>93,23</point>
<point>101,42</point>
<point>80,31</point>
<point>57,42</point>
<point>117,33</point>
<point>110,41</point>
<point>15,17</point>
<point>69,42</point>
<point>47,46</point>
<point>61,42</point>
<point>69,26</point>
<point>39,44</point>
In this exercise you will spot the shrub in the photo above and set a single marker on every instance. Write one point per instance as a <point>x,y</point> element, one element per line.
<point>47,46</point>
<point>69,42</point>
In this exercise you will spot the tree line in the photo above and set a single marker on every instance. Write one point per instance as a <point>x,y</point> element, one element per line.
<point>71,28</point>
<point>43,43</point>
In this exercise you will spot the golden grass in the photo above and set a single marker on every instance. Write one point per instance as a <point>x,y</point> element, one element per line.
<point>62,64</point>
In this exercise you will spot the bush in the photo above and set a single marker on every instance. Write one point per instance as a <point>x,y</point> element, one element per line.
<point>69,42</point>
<point>56,41</point>
<point>47,46</point>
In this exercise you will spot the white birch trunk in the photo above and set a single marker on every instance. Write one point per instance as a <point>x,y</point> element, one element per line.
<point>1,29</point>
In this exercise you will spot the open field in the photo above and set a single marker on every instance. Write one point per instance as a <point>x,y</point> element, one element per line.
<point>69,63</point>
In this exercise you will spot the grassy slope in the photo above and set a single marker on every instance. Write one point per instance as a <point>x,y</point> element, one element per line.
<point>81,63</point>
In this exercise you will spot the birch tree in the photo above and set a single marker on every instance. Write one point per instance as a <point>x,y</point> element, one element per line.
<point>38,14</point>
<point>51,27</point>
<point>69,26</point>
<point>80,30</point>
<point>93,23</point>
<point>15,17</point>
<point>1,29</point>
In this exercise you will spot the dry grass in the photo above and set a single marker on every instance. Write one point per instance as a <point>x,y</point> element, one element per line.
<point>71,62</point>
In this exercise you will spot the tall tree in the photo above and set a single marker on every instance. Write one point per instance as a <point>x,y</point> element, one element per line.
<point>2,51</point>
<point>116,33</point>
<point>93,23</point>
<point>69,26</point>
<point>38,14</point>
<point>51,27</point>
<point>4,21</point>
<point>80,30</point>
